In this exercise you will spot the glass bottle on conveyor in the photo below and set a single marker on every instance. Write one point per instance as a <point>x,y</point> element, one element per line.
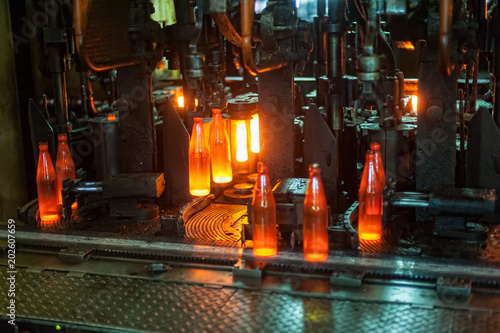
<point>263,215</point>
<point>46,184</point>
<point>220,153</point>
<point>375,147</point>
<point>315,221</point>
<point>199,161</point>
<point>370,201</point>
<point>65,167</point>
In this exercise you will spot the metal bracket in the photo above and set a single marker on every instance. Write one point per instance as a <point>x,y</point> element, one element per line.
<point>248,269</point>
<point>347,278</point>
<point>453,289</point>
<point>75,254</point>
<point>158,267</point>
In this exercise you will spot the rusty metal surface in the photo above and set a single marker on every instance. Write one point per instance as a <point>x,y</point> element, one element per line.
<point>491,251</point>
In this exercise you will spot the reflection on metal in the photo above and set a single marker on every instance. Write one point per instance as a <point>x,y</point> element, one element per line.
<point>217,222</point>
<point>384,246</point>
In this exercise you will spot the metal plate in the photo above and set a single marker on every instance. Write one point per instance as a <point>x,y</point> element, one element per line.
<point>144,305</point>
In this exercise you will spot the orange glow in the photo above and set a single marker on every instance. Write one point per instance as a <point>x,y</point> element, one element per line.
<point>370,201</point>
<point>111,117</point>
<point>199,161</point>
<point>315,218</point>
<point>414,102</point>
<point>405,45</point>
<point>220,153</point>
<point>241,141</point>
<point>180,101</point>
<point>254,134</point>
<point>379,166</point>
<point>65,168</point>
<point>46,184</point>
<point>263,215</point>
<point>74,206</point>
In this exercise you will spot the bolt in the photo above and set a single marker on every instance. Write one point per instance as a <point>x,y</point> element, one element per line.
<point>434,113</point>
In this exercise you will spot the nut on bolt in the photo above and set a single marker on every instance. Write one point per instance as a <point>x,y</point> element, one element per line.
<point>434,113</point>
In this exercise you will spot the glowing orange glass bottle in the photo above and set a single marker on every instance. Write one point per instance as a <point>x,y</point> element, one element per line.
<point>370,201</point>
<point>263,215</point>
<point>315,218</point>
<point>65,167</point>
<point>199,161</point>
<point>375,147</point>
<point>220,153</point>
<point>46,184</point>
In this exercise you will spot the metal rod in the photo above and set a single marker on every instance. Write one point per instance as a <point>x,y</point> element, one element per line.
<point>90,189</point>
<point>410,203</point>
<point>90,184</point>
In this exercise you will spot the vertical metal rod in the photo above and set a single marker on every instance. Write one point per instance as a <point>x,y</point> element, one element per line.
<point>57,66</point>
<point>462,123</point>
<point>320,44</point>
<point>474,83</point>
<point>496,71</point>
<point>335,64</point>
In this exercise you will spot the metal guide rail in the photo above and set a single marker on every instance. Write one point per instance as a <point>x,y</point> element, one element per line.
<point>88,281</point>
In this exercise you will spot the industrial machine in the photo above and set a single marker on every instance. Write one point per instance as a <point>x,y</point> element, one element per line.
<point>298,82</point>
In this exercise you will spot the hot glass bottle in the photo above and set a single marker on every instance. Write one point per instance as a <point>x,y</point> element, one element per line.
<point>65,167</point>
<point>263,215</point>
<point>315,218</point>
<point>199,161</point>
<point>370,201</point>
<point>46,184</point>
<point>220,153</point>
<point>375,147</point>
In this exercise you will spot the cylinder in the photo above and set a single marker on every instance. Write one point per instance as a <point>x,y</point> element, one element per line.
<point>106,140</point>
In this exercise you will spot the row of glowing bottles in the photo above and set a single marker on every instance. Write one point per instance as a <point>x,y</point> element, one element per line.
<point>49,182</point>
<point>371,196</point>
<point>201,156</point>
<point>315,218</point>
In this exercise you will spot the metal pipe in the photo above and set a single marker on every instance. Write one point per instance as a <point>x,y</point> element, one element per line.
<point>475,74</point>
<point>90,189</point>
<point>56,50</point>
<point>410,200</point>
<point>371,29</point>
<point>226,28</point>
<point>445,21</point>
<point>335,65</point>
<point>410,203</point>
<point>247,12</point>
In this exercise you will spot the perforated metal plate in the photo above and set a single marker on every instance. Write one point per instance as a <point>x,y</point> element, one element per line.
<point>143,305</point>
<point>106,40</point>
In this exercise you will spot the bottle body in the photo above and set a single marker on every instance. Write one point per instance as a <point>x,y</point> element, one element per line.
<point>263,215</point>
<point>315,218</point>
<point>379,166</point>
<point>370,201</point>
<point>199,161</point>
<point>65,167</point>
<point>220,152</point>
<point>46,184</point>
